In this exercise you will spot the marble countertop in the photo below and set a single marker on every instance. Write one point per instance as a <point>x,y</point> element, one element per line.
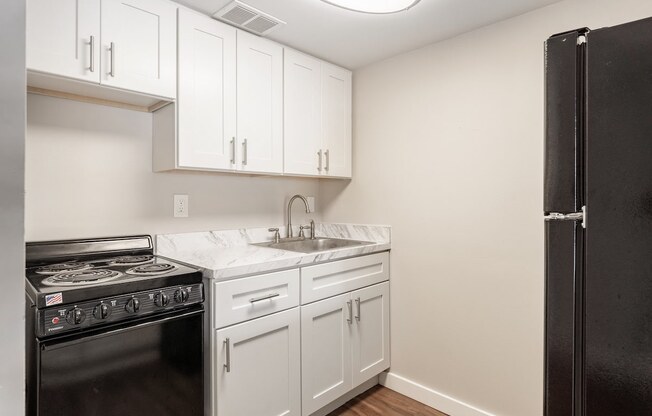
<point>228,254</point>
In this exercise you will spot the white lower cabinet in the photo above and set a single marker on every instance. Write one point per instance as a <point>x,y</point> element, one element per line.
<point>344,342</point>
<point>258,367</point>
<point>326,351</point>
<point>272,357</point>
<point>370,341</point>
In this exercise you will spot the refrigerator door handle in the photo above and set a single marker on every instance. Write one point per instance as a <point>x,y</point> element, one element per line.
<point>573,216</point>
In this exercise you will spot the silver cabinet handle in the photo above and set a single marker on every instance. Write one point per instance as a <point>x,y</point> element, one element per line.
<point>357,305</point>
<point>112,67</point>
<point>327,153</point>
<point>92,43</point>
<point>319,165</point>
<point>349,305</point>
<point>227,345</point>
<point>270,296</point>
<point>233,151</point>
<point>244,152</point>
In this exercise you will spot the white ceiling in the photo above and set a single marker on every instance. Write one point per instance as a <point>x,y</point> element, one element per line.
<point>354,40</point>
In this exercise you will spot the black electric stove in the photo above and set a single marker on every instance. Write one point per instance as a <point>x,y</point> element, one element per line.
<point>112,329</point>
<point>64,272</point>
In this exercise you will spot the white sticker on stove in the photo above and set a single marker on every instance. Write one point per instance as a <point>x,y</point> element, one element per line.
<point>53,299</point>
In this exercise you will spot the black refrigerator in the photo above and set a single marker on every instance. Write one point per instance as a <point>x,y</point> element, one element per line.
<point>598,222</point>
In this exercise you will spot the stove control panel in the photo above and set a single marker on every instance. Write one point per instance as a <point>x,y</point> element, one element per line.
<point>66,318</point>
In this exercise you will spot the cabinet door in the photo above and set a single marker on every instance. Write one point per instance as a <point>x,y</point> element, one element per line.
<point>302,115</point>
<point>336,120</point>
<point>258,367</point>
<point>260,104</point>
<point>138,50</point>
<point>370,343</point>
<point>206,96</point>
<point>326,351</point>
<point>59,35</point>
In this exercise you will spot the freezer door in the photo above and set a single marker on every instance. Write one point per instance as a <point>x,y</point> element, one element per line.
<point>619,231</point>
<point>563,129</point>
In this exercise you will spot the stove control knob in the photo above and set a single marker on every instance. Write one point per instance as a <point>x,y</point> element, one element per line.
<point>181,295</point>
<point>133,305</point>
<point>161,299</point>
<point>102,311</point>
<point>75,316</point>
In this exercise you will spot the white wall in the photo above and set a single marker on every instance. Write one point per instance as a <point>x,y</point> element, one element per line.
<point>448,149</point>
<point>89,174</point>
<point>12,248</point>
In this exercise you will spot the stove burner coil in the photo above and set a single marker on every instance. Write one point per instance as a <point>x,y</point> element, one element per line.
<point>82,277</point>
<point>64,268</point>
<point>151,269</point>
<point>131,260</point>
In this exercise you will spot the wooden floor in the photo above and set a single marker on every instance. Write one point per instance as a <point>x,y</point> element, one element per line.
<point>381,401</point>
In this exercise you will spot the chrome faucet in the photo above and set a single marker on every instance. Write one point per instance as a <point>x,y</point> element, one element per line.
<point>305,201</point>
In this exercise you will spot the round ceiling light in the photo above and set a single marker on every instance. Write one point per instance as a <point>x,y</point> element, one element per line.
<point>374,6</point>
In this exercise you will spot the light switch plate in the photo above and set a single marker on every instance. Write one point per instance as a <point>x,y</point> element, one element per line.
<point>181,206</point>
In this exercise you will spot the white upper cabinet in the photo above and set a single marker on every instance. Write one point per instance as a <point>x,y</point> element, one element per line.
<point>206,101</point>
<point>302,103</point>
<point>63,38</point>
<point>127,44</point>
<point>317,117</point>
<point>336,120</point>
<point>260,104</point>
<point>138,46</point>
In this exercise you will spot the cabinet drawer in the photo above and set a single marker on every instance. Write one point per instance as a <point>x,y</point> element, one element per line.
<point>330,279</point>
<point>243,299</point>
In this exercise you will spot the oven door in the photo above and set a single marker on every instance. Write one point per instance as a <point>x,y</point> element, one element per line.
<point>150,367</point>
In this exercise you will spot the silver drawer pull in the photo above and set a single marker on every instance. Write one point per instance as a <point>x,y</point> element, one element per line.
<point>349,305</point>
<point>92,42</point>
<point>270,296</point>
<point>112,60</point>
<point>227,365</point>
<point>357,304</point>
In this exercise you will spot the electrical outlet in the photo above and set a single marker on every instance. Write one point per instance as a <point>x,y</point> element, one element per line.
<point>311,203</point>
<point>181,206</point>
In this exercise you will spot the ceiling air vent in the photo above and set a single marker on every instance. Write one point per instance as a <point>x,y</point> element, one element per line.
<point>248,18</point>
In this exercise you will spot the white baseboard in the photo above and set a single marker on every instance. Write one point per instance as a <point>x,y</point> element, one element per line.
<point>430,397</point>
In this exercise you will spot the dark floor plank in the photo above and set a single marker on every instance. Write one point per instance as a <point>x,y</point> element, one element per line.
<point>381,401</point>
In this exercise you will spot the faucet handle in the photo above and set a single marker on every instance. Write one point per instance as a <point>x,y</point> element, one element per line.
<point>277,234</point>
<point>301,228</point>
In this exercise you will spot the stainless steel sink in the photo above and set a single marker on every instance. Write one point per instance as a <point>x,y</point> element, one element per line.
<point>312,246</point>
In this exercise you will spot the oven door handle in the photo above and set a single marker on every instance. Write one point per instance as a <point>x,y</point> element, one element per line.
<point>54,344</point>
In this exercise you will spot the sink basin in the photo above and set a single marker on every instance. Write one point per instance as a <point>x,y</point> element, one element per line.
<point>312,246</point>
